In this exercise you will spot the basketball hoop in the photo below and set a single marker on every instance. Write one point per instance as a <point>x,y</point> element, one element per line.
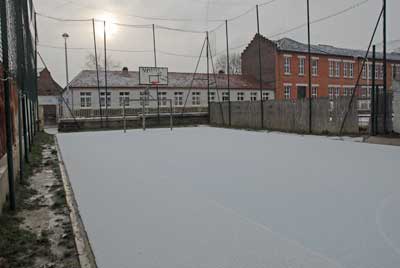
<point>154,83</point>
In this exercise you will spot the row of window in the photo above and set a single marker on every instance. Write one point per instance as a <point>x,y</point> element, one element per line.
<point>332,92</point>
<point>287,66</point>
<point>338,69</point>
<point>86,98</point>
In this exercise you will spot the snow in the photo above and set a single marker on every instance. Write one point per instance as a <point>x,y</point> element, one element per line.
<point>219,198</point>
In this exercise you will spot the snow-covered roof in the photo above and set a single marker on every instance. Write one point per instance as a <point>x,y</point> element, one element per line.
<point>123,79</point>
<point>288,44</point>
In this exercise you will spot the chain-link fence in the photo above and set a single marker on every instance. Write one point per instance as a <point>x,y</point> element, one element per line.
<point>18,87</point>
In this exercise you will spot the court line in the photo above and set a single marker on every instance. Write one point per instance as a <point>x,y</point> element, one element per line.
<point>378,223</point>
<point>269,230</point>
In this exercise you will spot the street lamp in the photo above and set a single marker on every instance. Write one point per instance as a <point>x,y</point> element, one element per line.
<point>65,36</point>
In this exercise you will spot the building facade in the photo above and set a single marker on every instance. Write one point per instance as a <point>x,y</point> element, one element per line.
<point>183,90</point>
<point>334,70</point>
<point>49,93</point>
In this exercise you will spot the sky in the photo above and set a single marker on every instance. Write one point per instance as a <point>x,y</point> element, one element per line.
<point>352,29</point>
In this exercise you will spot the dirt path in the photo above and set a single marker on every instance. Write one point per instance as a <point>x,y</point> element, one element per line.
<point>39,234</point>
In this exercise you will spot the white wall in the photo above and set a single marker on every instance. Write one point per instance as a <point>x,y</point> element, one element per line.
<point>135,94</point>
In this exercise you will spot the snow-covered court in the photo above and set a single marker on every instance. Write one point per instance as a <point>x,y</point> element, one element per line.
<point>217,198</point>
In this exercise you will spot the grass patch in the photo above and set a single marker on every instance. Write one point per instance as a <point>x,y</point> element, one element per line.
<point>35,156</point>
<point>19,246</point>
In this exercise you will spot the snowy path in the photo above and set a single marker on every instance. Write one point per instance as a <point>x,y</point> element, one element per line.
<point>217,198</point>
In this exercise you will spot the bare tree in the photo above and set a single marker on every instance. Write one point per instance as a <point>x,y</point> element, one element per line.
<point>91,62</point>
<point>235,63</point>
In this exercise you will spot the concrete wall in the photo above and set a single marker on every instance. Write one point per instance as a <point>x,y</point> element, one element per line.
<point>70,125</point>
<point>4,187</point>
<point>396,106</point>
<point>289,116</point>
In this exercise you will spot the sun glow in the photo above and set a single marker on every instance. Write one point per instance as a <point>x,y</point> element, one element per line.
<point>111,27</point>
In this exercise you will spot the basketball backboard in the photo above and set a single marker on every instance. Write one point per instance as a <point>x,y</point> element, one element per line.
<point>153,76</point>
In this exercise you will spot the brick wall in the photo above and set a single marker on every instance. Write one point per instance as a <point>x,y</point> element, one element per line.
<point>2,118</point>
<point>250,61</point>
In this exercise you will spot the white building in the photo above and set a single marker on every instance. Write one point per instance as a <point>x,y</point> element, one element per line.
<point>183,89</point>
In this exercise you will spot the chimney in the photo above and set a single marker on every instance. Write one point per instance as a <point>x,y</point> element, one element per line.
<point>125,71</point>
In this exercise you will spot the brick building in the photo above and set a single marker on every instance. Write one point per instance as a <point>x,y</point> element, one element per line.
<point>334,70</point>
<point>49,93</point>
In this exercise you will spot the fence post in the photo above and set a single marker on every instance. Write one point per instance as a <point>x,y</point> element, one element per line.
<point>309,68</point>
<point>372,117</point>
<point>260,68</point>
<point>9,132</point>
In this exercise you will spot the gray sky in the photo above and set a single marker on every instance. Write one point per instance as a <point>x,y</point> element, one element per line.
<point>351,29</point>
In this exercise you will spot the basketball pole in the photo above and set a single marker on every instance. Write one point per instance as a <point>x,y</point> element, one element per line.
<point>105,71</point>
<point>260,68</point>
<point>155,65</point>
<point>97,71</point>
<point>228,71</point>
<point>208,78</point>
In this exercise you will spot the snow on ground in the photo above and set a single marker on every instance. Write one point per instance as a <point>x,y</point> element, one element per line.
<point>219,198</point>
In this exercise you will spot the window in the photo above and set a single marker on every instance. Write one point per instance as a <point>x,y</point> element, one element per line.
<point>346,70</point>
<point>364,71</point>
<point>337,69</point>
<point>124,97</point>
<point>211,96</point>
<point>225,96</point>
<point>162,98</point>
<point>337,92</point>
<point>196,98</point>
<point>396,71</point>
<point>333,92</point>
<point>144,98</point>
<point>347,91</point>
<point>379,71</point>
<point>86,99</point>
<point>315,67</point>
<point>351,70</point>
<point>178,98</point>
<point>240,96</point>
<point>365,92</point>
<point>331,68</point>
<point>265,95</point>
<point>302,61</point>
<point>287,65</point>
<point>314,92</point>
<point>103,99</point>
<point>253,96</point>
<point>287,92</point>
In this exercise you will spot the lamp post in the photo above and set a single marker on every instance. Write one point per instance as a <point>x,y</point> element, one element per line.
<point>65,36</point>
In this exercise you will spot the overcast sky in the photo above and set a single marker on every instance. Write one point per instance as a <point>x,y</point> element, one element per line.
<point>351,29</point>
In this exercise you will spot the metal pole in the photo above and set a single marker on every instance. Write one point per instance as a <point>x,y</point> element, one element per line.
<point>171,111</point>
<point>155,65</point>
<point>309,69</point>
<point>25,129</point>
<point>228,71</point>
<point>8,115</point>
<point>36,80</point>
<point>65,35</point>
<point>260,68</point>
<point>208,78</point>
<point>376,109</point>
<point>144,111</point>
<point>105,70</point>
<point>372,117</point>
<point>97,71</point>
<point>21,72</point>
<point>124,115</point>
<point>20,130</point>
<point>385,110</point>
